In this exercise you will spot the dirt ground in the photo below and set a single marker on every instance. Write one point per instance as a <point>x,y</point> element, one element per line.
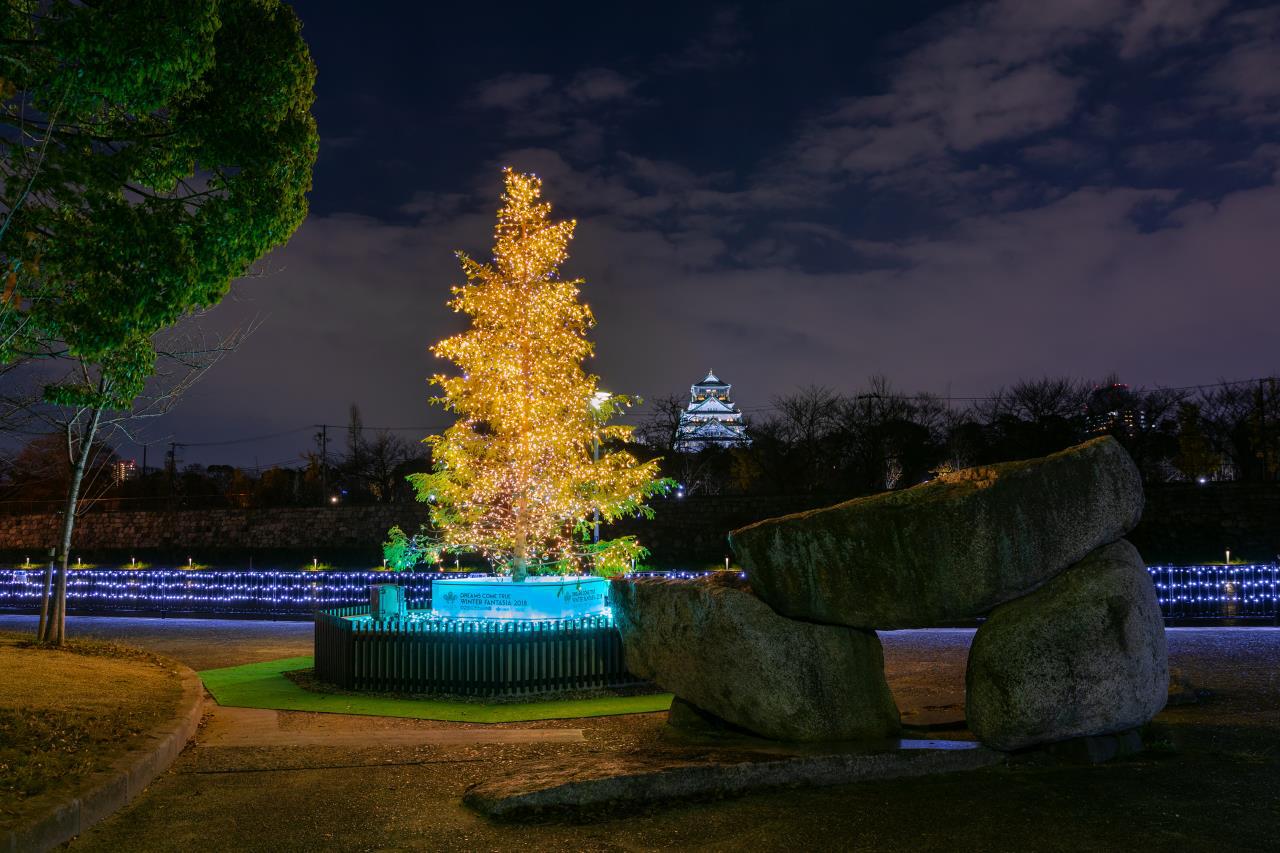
<point>1212,782</point>
<point>67,714</point>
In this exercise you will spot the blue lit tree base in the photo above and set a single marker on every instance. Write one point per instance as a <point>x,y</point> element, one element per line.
<point>466,657</point>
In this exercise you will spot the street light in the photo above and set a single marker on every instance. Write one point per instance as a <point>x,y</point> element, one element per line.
<point>598,399</point>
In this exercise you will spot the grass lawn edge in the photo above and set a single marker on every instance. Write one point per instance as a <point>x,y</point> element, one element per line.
<point>108,790</point>
<point>263,685</point>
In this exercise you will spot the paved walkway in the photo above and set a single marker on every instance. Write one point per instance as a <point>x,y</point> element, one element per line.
<point>297,781</point>
<point>255,727</point>
<point>199,643</point>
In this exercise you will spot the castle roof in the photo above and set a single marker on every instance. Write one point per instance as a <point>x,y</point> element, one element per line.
<point>711,381</point>
<point>714,430</point>
<point>712,405</point>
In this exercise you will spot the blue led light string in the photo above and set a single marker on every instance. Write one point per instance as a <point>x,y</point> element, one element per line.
<point>1250,591</point>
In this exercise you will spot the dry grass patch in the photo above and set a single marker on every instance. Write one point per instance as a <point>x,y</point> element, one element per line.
<point>68,713</point>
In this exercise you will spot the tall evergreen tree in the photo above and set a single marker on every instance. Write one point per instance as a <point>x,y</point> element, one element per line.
<point>521,470</point>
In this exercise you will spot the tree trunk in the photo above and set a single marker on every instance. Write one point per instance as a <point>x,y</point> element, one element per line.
<point>45,595</point>
<point>55,631</point>
<point>520,568</point>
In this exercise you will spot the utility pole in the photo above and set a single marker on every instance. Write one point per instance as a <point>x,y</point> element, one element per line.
<point>1270,448</point>
<point>595,525</point>
<point>597,418</point>
<point>173,467</point>
<point>324,463</point>
<point>1264,440</point>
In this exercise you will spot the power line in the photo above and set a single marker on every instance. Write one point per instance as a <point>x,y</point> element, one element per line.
<point>773,407</point>
<point>383,428</point>
<point>242,440</point>
<point>647,408</point>
<point>255,438</point>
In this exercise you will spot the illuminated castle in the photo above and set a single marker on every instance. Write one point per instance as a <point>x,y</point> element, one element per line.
<point>711,420</point>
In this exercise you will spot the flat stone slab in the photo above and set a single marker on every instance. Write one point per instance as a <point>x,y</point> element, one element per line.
<point>571,787</point>
<point>947,550</point>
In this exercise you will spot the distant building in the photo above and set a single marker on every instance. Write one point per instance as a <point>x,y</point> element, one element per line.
<point>712,419</point>
<point>1113,408</point>
<point>123,469</point>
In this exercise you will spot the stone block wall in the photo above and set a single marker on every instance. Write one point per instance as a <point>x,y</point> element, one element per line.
<point>1189,523</point>
<point>692,532</point>
<point>1183,523</point>
<point>685,532</point>
<point>328,533</point>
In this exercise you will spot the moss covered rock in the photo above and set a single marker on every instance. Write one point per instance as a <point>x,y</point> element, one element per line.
<point>720,648</point>
<point>1083,655</point>
<point>946,550</point>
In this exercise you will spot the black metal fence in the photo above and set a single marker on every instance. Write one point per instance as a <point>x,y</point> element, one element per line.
<point>467,658</point>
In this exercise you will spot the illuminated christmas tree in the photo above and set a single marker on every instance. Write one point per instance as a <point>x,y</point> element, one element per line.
<point>526,470</point>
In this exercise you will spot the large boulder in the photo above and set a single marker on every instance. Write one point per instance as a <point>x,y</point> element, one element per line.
<point>947,550</point>
<point>725,651</point>
<point>1083,655</point>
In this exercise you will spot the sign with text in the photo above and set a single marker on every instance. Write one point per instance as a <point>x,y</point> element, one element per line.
<point>536,598</point>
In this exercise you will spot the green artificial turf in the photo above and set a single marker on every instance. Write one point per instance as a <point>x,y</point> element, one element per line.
<point>264,685</point>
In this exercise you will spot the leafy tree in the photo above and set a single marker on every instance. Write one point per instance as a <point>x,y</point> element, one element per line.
<point>1034,418</point>
<point>658,428</point>
<point>1242,422</point>
<point>1195,458</point>
<point>376,464</point>
<point>152,152</point>
<point>807,421</point>
<point>35,480</point>
<point>385,462</point>
<point>517,475</point>
<point>402,552</point>
<point>887,440</point>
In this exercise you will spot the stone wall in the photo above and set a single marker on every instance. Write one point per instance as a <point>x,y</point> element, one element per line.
<point>1182,524</point>
<point>327,533</point>
<point>685,533</point>
<point>1189,523</point>
<point>693,532</point>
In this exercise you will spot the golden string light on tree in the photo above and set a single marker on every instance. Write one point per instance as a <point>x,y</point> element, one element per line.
<point>515,477</point>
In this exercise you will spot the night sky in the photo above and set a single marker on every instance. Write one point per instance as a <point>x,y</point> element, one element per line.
<point>952,195</point>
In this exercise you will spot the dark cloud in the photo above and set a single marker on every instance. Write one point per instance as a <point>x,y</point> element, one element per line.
<point>1245,80</point>
<point>512,91</point>
<point>1002,189</point>
<point>599,84</point>
<point>721,45</point>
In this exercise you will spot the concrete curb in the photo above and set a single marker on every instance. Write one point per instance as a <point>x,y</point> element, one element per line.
<point>119,784</point>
